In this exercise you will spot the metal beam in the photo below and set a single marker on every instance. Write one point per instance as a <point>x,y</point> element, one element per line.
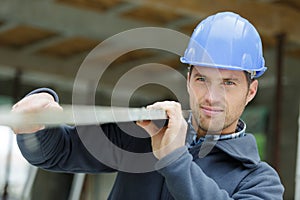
<point>278,98</point>
<point>81,115</point>
<point>297,177</point>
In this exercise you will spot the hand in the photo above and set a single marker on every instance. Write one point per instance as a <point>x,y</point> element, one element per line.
<point>170,137</point>
<point>34,103</point>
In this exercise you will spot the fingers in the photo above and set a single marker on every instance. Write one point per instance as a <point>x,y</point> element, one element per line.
<point>28,129</point>
<point>32,104</point>
<point>170,137</point>
<point>148,126</point>
<point>173,111</point>
<point>35,102</point>
<point>172,108</point>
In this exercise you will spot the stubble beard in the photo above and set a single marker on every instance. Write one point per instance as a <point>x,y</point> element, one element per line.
<point>210,125</point>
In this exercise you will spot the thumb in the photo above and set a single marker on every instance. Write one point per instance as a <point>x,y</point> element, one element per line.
<point>148,126</point>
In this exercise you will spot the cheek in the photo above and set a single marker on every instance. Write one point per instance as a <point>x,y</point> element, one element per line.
<point>193,98</point>
<point>236,103</point>
<point>190,91</point>
<point>195,90</point>
<point>194,94</point>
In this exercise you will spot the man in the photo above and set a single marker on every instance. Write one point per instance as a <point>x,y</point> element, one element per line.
<point>209,156</point>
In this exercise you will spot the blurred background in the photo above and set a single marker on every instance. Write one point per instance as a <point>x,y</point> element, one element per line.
<point>44,42</point>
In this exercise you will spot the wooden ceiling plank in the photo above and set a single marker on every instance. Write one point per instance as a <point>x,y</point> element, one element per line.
<point>152,15</point>
<point>69,47</point>
<point>66,19</point>
<point>96,5</point>
<point>23,35</point>
<point>269,19</point>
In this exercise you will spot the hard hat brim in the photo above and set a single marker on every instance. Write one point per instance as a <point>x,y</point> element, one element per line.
<point>257,73</point>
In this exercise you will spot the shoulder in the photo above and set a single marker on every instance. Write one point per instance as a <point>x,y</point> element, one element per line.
<point>263,181</point>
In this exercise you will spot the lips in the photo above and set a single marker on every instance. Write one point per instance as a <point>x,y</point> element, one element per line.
<point>209,110</point>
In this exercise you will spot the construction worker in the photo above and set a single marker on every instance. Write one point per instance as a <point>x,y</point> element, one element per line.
<point>207,156</point>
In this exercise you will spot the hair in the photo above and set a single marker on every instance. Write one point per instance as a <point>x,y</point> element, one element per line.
<point>247,74</point>
<point>249,78</point>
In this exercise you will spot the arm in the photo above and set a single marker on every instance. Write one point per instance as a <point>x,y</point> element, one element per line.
<point>57,149</point>
<point>186,180</point>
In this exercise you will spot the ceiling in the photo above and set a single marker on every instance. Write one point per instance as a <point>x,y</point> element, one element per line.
<point>49,39</point>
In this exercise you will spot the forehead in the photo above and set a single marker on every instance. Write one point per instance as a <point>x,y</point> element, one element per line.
<point>215,72</point>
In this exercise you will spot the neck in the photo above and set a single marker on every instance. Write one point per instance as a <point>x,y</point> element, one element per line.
<point>225,131</point>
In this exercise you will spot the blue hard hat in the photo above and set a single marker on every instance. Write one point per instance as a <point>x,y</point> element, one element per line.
<point>226,41</point>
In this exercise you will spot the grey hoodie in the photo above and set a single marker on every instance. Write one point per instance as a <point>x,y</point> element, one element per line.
<point>231,169</point>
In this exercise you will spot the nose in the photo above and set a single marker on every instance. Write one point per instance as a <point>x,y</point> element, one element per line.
<point>214,93</point>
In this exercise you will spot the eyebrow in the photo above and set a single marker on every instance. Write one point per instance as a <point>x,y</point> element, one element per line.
<point>196,73</point>
<point>231,79</point>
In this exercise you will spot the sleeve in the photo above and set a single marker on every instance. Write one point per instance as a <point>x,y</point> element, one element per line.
<point>186,180</point>
<point>47,90</point>
<point>59,149</point>
<point>86,149</point>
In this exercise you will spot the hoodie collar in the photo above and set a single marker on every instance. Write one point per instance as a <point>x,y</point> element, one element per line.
<point>192,139</point>
<point>243,149</point>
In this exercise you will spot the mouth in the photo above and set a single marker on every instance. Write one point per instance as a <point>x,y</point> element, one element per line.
<point>210,111</point>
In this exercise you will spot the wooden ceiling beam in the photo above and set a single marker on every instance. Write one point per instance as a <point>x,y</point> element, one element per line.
<point>269,18</point>
<point>65,20</point>
<point>32,62</point>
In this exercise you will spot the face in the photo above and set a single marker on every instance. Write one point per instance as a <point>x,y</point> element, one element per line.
<point>218,98</point>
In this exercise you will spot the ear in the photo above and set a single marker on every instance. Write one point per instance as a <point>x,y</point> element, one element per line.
<point>252,91</point>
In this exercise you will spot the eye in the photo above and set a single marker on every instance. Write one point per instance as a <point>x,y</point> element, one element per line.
<point>201,78</point>
<point>228,82</point>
